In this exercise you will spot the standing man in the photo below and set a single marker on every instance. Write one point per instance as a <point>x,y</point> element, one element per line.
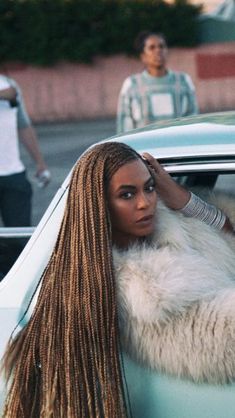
<point>157,93</point>
<point>15,189</point>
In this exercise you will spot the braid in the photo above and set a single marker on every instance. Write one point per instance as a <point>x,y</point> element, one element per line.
<point>65,361</point>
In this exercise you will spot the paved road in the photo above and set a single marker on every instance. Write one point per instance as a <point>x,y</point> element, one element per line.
<point>61,145</point>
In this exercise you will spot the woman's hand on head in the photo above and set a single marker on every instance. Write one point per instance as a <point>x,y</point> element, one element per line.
<point>172,194</point>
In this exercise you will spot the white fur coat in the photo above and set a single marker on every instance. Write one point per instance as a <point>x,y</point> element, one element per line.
<point>177,298</point>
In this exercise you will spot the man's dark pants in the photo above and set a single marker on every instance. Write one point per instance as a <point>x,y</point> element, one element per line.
<point>15,200</point>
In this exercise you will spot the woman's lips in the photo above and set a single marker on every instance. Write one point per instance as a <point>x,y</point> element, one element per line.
<point>145,219</point>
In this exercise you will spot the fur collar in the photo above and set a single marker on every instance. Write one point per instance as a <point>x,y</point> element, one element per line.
<point>188,264</point>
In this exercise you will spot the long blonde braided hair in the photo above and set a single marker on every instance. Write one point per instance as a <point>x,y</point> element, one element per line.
<point>66,361</point>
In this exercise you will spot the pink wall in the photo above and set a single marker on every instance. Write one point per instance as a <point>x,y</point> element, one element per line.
<point>76,91</point>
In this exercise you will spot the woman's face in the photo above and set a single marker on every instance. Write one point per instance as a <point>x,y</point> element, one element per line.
<point>132,203</point>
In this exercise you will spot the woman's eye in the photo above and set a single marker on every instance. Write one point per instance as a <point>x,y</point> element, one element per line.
<point>150,188</point>
<point>126,195</point>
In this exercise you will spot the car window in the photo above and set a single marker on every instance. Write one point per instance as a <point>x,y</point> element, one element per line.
<point>226,183</point>
<point>221,183</point>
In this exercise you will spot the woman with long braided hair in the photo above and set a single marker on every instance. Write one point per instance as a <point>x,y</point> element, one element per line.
<point>66,361</point>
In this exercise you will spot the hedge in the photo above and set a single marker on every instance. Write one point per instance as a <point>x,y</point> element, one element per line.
<point>42,32</point>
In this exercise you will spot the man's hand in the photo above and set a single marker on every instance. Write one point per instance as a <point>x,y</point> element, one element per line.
<point>9,94</point>
<point>43,178</point>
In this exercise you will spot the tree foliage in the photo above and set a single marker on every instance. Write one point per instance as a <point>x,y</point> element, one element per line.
<point>43,32</point>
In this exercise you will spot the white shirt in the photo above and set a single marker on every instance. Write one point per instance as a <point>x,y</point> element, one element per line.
<point>10,162</point>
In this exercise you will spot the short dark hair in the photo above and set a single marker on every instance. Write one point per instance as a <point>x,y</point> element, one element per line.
<point>141,38</point>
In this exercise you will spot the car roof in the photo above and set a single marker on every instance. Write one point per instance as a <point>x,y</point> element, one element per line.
<point>185,145</point>
<point>200,136</point>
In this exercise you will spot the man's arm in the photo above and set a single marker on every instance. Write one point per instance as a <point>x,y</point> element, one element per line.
<point>125,121</point>
<point>192,100</point>
<point>28,137</point>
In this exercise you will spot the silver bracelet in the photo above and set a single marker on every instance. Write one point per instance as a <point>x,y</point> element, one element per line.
<point>197,208</point>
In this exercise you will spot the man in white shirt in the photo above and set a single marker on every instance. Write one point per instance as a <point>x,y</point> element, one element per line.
<point>15,189</point>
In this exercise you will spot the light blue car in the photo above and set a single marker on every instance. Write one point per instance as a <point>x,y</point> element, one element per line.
<point>198,146</point>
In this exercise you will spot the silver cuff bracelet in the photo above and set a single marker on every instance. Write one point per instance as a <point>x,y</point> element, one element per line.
<point>197,208</point>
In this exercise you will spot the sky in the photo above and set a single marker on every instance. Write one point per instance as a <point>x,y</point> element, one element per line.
<point>208,5</point>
